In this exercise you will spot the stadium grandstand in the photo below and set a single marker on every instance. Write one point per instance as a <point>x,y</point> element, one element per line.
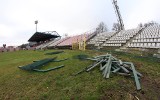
<point>148,38</point>
<point>74,39</point>
<point>43,40</point>
<point>40,40</point>
<point>143,37</point>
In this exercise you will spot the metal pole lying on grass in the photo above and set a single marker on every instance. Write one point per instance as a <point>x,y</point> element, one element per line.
<point>94,65</point>
<point>108,67</point>
<point>36,65</point>
<point>135,77</point>
<point>38,70</point>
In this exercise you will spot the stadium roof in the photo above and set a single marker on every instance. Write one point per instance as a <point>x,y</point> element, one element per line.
<point>43,36</point>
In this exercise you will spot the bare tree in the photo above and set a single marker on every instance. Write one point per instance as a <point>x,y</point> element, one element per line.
<point>116,27</point>
<point>101,28</point>
<point>140,25</point>
<point>151,23</point>
<point>4,45</point>
<point>65,35</point>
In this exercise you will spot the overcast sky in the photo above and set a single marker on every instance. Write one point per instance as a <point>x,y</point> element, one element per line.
<point>69,16</point>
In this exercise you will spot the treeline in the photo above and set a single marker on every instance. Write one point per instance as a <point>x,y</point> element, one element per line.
<point>102,27</point>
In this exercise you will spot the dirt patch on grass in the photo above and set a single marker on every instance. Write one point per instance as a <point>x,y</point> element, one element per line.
<point>119,95</point>
<point>126,90</point>
<point>150,88</point>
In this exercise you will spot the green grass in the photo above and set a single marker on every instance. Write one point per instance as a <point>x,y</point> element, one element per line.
<point>16,84</point>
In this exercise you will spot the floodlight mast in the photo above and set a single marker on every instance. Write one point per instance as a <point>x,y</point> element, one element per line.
<point>36,22</point>
<point>119,17</point>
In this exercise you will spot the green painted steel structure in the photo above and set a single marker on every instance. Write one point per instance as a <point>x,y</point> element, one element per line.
<point>36,65</point>
<point>109,64</point>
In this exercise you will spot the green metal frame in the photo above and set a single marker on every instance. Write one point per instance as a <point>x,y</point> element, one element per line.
<point>109,64</point>
<point>36,65</point>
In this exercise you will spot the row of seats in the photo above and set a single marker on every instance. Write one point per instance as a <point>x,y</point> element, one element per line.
<point>122,37</point>
<point>150,32</point>
<point>105,35</point>
<point>147,40</point>
<point>119,41</point>
<point>125,34</point>
<point>144,45</point>
<point>58,42</point>
<point>50,42</point>
<point>114,45</point>
<point>42,45</point>
<point>46,44</point>
<point>74,39</point>
<point>147,36</point>
<point>100,38</point>
<point>68,41</point>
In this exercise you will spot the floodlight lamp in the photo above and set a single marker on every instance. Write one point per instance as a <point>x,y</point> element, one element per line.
<point>36,22</point>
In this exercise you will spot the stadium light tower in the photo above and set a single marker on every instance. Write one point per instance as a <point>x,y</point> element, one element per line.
<point>119,18</point>
<point>36,22</point>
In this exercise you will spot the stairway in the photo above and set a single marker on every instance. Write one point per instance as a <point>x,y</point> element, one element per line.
<point>91,37</point>
<point>100,45</point>
<point>47,44</point>
<point>131,39</point>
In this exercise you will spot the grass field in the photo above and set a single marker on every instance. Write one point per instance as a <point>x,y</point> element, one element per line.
<point>16,84</point>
